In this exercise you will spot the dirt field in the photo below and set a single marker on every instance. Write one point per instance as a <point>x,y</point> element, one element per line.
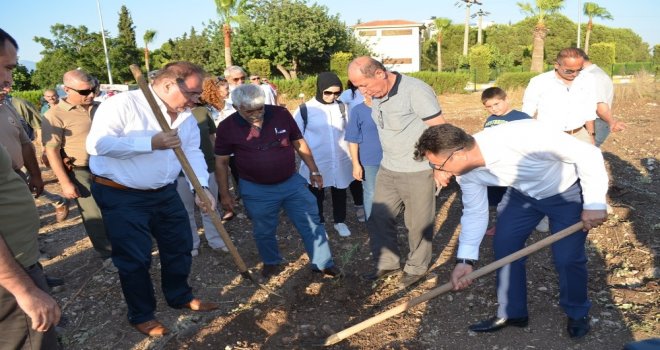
<point>623,264</point>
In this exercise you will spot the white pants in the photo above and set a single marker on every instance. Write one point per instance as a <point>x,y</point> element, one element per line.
<point>188,199</point>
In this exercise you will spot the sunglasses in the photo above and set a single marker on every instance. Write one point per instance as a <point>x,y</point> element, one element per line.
<point>328,93</point>
<point>571,71</point>
<point>85,92</point>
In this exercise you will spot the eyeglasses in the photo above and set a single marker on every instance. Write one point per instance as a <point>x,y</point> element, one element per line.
<point>191,95</point>
<point>236,80</point>
<point>439,167</point>
<point>328,93</point>
<point>84,92</point>
<point>571,71</point>
<point>255,78</point>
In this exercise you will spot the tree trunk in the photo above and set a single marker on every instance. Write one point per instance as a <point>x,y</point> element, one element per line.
<point>226,29</point>
<point>467,30</point>
<point>284,72</point>
<point>537,48</point>
<point>294,69</point>
<point>590,26</point>
<point>146,58</point>
<point>439,52</point>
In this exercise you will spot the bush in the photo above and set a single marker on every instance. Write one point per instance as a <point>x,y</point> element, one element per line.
<point>260,67</point>
<point>656,54</point>
<point>32,96</point>
<point>443,82</point>
<point>479,58</point>
<point>603,55</point>
<point>508,81</point>
<point>339,62</point>
<point>629,68</point>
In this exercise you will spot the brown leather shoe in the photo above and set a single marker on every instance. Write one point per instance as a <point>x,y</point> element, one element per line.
<point>62,212</point>
<point>198,305</point>
<point>152,328</point>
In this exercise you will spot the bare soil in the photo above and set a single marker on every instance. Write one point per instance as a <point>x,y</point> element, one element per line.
<point>623,264</point>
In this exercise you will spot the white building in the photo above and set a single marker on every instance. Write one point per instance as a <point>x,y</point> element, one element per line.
<point>396,43</point>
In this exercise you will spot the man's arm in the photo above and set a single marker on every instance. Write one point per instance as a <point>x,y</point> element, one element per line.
<point>69,189</point>
<point>306,155</point>
<point>222,177</point>
<point>36,184</point>
<point>354,150</point>
<point>605,113</point>
<point>37,304</point>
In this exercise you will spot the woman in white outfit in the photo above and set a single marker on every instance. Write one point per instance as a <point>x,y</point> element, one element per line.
<point>324,133</point>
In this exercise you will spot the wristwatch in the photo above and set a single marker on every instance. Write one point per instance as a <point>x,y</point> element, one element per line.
<point>315,173</point>
<point>470,262</point>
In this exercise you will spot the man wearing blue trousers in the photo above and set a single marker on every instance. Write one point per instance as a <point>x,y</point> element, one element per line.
<point>549,174</point>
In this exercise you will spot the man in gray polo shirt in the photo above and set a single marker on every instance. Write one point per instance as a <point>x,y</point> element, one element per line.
<point>403,107</point>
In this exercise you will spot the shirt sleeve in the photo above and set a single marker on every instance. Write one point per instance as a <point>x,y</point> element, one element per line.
<point>51,124</point>
<point>425,103</point>
<point>107,137</point>
<point>474,220</point>
<point>531,98</point>
<point>353,127</point>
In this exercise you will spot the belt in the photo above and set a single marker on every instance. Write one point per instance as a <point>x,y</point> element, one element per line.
<point>574,131</point>
<point>107,182</point>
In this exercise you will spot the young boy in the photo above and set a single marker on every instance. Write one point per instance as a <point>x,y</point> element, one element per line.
<point>496,103</point>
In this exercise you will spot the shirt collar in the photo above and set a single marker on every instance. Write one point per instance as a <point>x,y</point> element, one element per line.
<point>395,88</point>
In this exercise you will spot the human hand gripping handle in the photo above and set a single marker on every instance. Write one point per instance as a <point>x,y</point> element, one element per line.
<point>593,218</point>
<point>461,270</point>
<point>166,140</point>
<point>202,204</point>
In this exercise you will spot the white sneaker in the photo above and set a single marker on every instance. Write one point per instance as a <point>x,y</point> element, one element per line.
<point>342,229</point>
<point>194,252</point>
<point>543,225</point>
<point>359,212</point>
<point>222,249</point>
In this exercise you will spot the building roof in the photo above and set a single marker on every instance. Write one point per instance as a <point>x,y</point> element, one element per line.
<point>388,23</point>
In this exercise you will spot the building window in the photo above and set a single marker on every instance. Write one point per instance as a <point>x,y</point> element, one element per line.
<point>367,33</point>
<point>396,32</point>
<point>397,61</point>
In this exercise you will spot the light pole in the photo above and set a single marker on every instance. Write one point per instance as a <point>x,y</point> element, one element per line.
<point>579,24</point>
<point>105,47</point>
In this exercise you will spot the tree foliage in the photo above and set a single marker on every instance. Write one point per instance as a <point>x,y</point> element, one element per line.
<point>259,66</point>
<point>22,79</point>
<point>124,51</point>
<point>294,36</point>
<point>538,14</point>
<point>603,55</point>
<point>591,10</point>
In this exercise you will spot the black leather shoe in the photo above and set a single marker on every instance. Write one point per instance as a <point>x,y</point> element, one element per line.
<point>497,323</point>
<point>378,274</point>
<point>271,270</point>
<point>408,280</point>
<point>578,328</point>
<point>54,281</point>
<point>331,271</point>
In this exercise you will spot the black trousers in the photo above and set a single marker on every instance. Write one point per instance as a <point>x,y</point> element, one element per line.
<point>338,196</point>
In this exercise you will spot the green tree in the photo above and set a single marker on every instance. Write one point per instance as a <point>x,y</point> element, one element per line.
<point>123,49</point>
<point>295,37</point>
<point>480,58</point>
<point>70,48</point>
<point>148,37</point>
<point>230,11</point>
<point>441,24</point>
<point>22,79</point>
<point>191,47</point>
<point>539,12</point>
<point>603,55</point>
<point>591,10</point>
<point>656,54</point>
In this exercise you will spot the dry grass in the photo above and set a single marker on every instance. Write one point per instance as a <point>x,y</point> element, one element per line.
<point>643,88</point>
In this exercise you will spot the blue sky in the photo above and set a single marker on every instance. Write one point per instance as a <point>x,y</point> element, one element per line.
<point>25,19</point>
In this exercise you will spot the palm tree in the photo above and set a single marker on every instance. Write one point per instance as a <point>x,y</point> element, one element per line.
<point>440,25</point>
<point>148,37</point>
<point>229,11</point>
<point>592,10</point>
<point>542,9</point>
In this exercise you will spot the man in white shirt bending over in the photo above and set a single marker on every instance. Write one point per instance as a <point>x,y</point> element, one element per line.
<point>548,173</point>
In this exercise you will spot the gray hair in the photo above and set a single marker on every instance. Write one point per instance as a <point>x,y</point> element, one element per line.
<point>232,69</point>
<point>248,96</point>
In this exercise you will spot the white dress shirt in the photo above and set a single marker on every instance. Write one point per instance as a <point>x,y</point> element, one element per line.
<point>604,88</point>
<point>563,107</point>
<point>119,143</point>
<point>537,162</point>
<point>326,127</point>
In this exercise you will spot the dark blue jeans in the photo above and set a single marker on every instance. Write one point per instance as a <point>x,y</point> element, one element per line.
<point>131,219</point>
<point>263,204</point>
<point>515,222</point>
